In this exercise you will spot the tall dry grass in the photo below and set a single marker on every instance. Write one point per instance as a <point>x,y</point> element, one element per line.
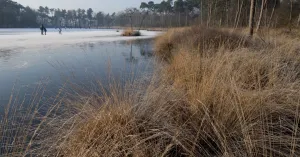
<point>245,96</point>
<point>200,39</point>
<point>220,94</point>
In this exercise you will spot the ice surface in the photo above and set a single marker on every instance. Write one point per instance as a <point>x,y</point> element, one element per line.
<point>15,39</point>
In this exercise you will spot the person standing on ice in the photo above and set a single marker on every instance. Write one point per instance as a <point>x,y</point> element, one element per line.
<point>42,29</point>
<point>45,30</point>
<point>59,31</point>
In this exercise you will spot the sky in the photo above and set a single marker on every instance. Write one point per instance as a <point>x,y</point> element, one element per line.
<point>107,6</point>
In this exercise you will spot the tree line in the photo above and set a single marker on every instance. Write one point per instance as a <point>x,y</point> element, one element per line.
<point>224,13</point>
<point>168,13</point>
<point>13,14</point>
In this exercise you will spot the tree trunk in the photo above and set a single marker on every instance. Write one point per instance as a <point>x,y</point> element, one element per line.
<point>143,18</point>
<point>165,21</point>
<point>227,14</point>
<point>290,19</point>
<point>298,23</point>
<point>263,2</point>
<point>214,13</point>
<point>201,12</point>
<point>272,14</point>
<point>131,22</point>
<point>151,19</point>
<point>209,14</point>
<point>179,19</point>
<point>186,18</point>
<point>266,14</point>
<point>239,14</point>
<point>251,18</point>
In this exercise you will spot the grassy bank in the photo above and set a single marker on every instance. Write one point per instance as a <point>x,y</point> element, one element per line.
<point>219,93</point>
<point>243,93</point>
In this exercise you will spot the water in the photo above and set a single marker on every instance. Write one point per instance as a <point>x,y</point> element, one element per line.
<point>22,71</point>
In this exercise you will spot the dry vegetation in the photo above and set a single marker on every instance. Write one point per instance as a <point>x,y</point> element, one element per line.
<point>130,32</point>
<point>221,94</point>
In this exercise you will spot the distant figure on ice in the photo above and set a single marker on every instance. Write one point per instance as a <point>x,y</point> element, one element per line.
<point>59,30</point>
<point>45,30</point>
<point>42,29</point>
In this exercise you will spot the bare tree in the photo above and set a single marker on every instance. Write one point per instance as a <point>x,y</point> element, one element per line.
<point>209,14</point>
<point>130,13</point>
<point>145,14</point>
<point>239,14</point>
<point>201,9</point>
<point>298,22</point>
<point>272,13</point>
<point>227,13</point>
<point>290,19</point>
<point>263,3</point>
<point>251,18</point>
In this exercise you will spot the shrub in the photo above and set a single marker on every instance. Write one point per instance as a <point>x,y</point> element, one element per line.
<point>130,32</point>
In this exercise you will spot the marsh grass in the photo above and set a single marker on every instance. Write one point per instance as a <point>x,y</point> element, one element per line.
<point>219,94</point>
<point>200,39</point>
<point>22,118</point>
<point>130,32</point>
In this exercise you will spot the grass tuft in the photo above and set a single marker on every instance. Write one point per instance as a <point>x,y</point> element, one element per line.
<point>130,32</point>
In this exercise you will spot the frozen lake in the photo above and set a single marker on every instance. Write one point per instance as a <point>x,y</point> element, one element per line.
<point>32,38</point>
<point>29,60</point>
<point>18,31</point>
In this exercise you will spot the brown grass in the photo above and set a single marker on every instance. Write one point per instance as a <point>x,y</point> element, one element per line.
<point>220,94</point>
<point>249,93</point>
<point>130,32</point>
<point>200,39</point>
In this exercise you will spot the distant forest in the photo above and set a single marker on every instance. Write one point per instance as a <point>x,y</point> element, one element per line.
<point>168,13</point>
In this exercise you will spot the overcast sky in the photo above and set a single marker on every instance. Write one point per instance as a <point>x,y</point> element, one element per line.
<point>108,6</point>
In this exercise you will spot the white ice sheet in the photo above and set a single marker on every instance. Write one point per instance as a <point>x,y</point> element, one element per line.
<point>30,39</point>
